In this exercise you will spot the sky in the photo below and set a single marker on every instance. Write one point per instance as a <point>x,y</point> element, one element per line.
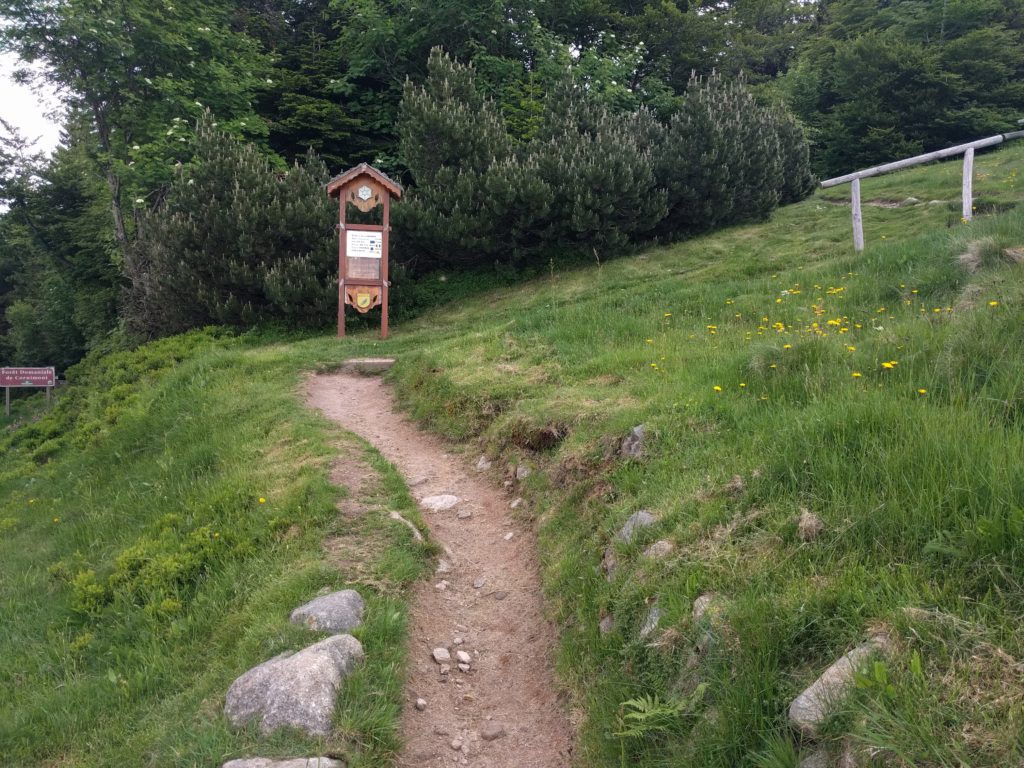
<point>26,110</point>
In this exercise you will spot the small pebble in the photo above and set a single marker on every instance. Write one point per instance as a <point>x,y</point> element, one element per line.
<point>457,641</point>
<point>463,657</point>
<point>463,667</point>
<point>509,535</point>
<point>516,504</point>
<point>456,744</point>
<point>491,730</point>
<point>445,669</point>
<point>441,586</point>
<point>464,514</point>
<point>478,583</point>
<point>500,595</point>
<point>441,655</point>
<point>421,704</point>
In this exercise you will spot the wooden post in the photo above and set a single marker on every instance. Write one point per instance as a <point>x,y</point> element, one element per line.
<point>7,400</point>
<point>342,255</point>
<point>968,186</point>
<point>386,221</point>
<point>858,221</point>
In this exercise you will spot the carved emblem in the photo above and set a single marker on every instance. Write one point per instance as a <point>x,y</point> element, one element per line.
<point>364,193</point>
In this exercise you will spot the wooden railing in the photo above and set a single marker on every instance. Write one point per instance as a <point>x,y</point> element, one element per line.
<point>967,150</point>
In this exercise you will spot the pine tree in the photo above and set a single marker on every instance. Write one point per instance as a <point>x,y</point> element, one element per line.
<point>235,242</point>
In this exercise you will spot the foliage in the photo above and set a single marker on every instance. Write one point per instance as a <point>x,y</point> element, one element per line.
<point>234,243</point>
<point>878,84</point>
<point>587,179</point>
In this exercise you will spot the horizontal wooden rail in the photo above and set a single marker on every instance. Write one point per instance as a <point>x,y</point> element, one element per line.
<point>967,198</point>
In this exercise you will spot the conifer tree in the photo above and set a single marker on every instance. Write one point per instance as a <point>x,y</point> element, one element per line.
<point>235,242</point>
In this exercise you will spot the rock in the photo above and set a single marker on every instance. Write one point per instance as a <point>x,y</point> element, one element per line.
<point>418,480</point>
<point>457,641</point>
<point>297,690</point>
<point>516,504</point>
<point>606,624</point>
<point>811,708</point>
<point>441,586</point>
<point>659,549</point>
<point>809,526</point>
<point>909,201</point>
<point>456,744</point>
<point>441,503</point>
<point>817,759</point>
<point>443,566</point>
<point>500,595</point>
<point>368,364</point>
<point>415,531</point>
<point>634,523</point>
<point>296,762</point>
<point>523,472</point>
<point>483,463</point>
<point>609,563</point>
<point>439,731</point>
<point>651,622</point>
<point>421,704</point>
<point>463,657</point>
<point>478,583</point>
<point>445,669</point>
<point>507,483</point>
<point>508,536</point>
<point>441,655</point>
<point>491,730</point>
<point>464,514</point>
<point>701,605</point>
<point>633,444</point>
<point>336,612</point>
<point>463,667</point>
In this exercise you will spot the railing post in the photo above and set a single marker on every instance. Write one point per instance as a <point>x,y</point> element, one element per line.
<point>968,188</point>
<point>858,221</point>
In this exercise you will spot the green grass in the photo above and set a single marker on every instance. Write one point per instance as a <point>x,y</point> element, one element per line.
<point>711,344</point>
<point>159,527</point>
<point>915,469</point>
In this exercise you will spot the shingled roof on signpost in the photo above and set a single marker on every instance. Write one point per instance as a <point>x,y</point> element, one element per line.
<point>334,185</point>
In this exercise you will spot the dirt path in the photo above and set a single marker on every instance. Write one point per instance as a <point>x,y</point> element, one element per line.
<point>500,623</point>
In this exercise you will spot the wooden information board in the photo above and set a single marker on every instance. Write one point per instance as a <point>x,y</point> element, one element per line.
<point>363,248</point>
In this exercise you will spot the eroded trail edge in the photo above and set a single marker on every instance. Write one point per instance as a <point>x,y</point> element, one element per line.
<point>485,600</point>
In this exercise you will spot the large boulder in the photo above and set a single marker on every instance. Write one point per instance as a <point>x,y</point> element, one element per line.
<point>336,612</point>
<point>297,690</point>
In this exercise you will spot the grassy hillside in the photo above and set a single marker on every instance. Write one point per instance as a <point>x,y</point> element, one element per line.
<point>158,528</point>
<point>775,371</point>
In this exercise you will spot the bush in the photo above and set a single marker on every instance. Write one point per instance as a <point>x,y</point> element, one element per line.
<point>235,242</point>
<point>588,178</point>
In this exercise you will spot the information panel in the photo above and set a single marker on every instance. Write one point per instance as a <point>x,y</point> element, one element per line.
<point>366,245</point>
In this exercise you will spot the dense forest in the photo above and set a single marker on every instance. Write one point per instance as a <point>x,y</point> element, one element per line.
<point>187,189</point>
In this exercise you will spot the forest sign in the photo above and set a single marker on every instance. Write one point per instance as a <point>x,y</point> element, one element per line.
<point>26,377</point>
<point>363,247</point>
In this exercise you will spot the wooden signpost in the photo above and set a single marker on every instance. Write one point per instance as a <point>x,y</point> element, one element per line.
<point>363,248</point>
<point>26,377</point>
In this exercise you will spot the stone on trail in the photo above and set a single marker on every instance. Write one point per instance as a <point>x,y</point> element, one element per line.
<point>464,667</point>
<point>463,657</point>
<point>288,762</point>
<point>634,523</point>
<point>368,364</point>
<point>523,472</point>
<point>464,514</point>
<point>516,503</point>
<point>633,444</point>
<point>421,704</point>
<point>811,708</point>
<point>508,536</point>
<point>441,503</point>
<point>298,690</point>
<point>441,655</point>
<point>478,583</point>
<point>483,463</point>
<point>336,612</point>
<point>491,730</point>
